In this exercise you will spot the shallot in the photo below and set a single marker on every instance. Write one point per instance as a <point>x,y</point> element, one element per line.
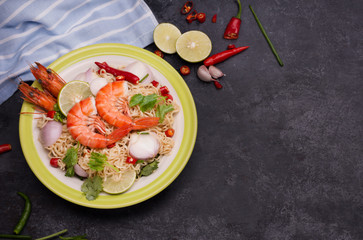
<point>204,74</point>
<point>96,85</point>
<point>80,171</point>
<point>87,76</point>
<point>143,146</point>
<point>50,133</point>
<point>141,70</point>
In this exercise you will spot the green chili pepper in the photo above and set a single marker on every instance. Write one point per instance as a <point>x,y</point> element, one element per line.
<point>25,215</point>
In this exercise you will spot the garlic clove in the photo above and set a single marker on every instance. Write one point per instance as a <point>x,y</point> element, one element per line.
<point>215,72</point>
<point>204,74</point>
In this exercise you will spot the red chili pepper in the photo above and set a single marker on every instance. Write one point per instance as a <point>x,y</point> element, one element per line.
<point>54,162</point>
<point>170,132</point>
<point>191,17</point>
<point>155,83</point>
<point>201,17</point>
<point>131,160</point>
<point>5,148</point>
<point>51,114</point>
<point>116,72</point>
<point>120,78</point>
<point>214,18</point>
<point>188,6</point>
<point>159,53</point>
<point>234,24</point>
<point>168,97</point>
<point>218,85</point>
<point>164,90</point>
<point>231,46</point>
<point>184,70</point>
<point>220,57</point>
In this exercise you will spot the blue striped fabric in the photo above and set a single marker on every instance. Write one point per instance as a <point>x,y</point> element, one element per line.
<point>42,31</point>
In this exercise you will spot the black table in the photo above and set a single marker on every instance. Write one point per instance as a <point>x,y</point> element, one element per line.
<point>279,149</point>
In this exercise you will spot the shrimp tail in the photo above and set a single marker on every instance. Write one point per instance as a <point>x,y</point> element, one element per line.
<point>146,122</point>
<point>118,134</point>
<point>48,78</point>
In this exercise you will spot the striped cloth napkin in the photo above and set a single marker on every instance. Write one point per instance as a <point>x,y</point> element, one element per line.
<point>42,31</point>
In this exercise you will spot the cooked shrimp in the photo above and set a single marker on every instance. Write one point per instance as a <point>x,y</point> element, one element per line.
<point>37,97</point>
<point>49,79</point>
<point>113,107</point>
<point>82,123</point>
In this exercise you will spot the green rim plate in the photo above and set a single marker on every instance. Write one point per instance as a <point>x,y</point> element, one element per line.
<point>128,198</point>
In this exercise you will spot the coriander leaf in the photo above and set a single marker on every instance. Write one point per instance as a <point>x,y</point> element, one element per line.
<point>148,102</point>
<point>149,169</point>
<point>79,237</point>
<point>58,116</point>
<point>163,109</point>
<point>70,159</point>
<point>136,99</point>
<point>139,161</point>
<point>91,187</point>
<point>97,161</point>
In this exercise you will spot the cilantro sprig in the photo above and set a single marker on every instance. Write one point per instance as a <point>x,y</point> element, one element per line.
<point>98,161</point>
<point>149,169</point>
<point>58,116</point>
<point>148,102</point>
<point>71,159</point>
<point>92,187</point>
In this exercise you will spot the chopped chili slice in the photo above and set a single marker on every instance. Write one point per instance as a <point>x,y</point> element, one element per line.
<point>231,46</point>
<point>155,83</point>
<point>187,7</point>
<point>54,162</point>
<point>201,17</point>
<point>159,53</point>
<point>191,17</point>
<point>131,160</point>
<point>164,90</point>
<point>170,132</point>
<point>51,114</point>
<point>111,145</point>
<point>168,97</point>
<point>218,85</point>
<point>184,70</point>
<point>214,18</point>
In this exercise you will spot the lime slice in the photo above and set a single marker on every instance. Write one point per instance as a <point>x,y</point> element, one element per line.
<point>115,187</point>
<point>165,36</point>
<point>193,46</point>
<point>71,93</point>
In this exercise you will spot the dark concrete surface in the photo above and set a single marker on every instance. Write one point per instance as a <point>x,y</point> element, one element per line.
<point>279,149</point>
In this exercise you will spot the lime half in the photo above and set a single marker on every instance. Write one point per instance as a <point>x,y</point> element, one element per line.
<point>165,36</point>
<point>72,93</point>
<point>194,46</point>
<point>115,187</point>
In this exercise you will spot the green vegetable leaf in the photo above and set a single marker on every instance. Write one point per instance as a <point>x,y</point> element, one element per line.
<point>139,161</point>
<point>97,161</point>
<point>91,187</point>
<point>79,237</point>
<point>148,102</point>
<point>136,99</point>
<point>58,116</point>
<point>70,159</point>
<point>149,169</point>
<point>163,109</point>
